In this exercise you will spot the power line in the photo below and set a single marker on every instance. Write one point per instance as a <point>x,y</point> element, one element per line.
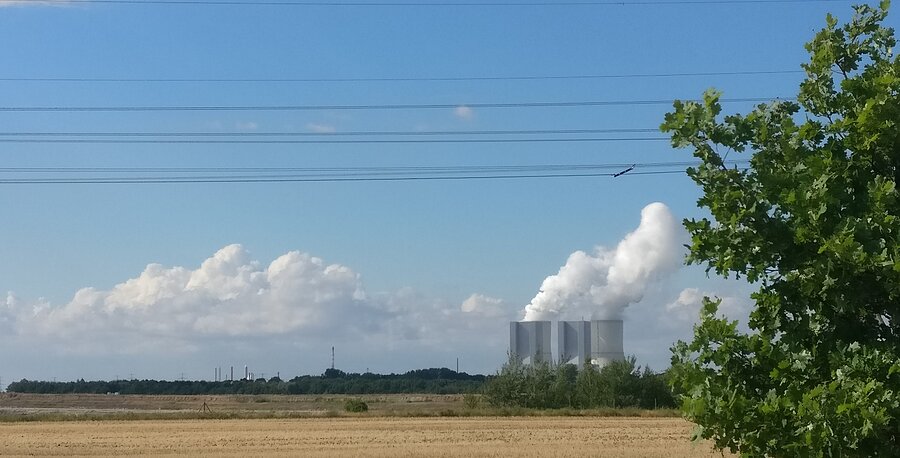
<point>330,142</point>
<point>525,136</point>
<point>396,79</point>
<point>396,106</point>
<point>370,169</point>
<point>288,179</point>
<point>370,133</point>
<point>434,4</point>
<point>338,174</point>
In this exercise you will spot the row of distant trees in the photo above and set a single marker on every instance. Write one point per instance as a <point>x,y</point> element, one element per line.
<point>540,386</point>
<point>333,381</point>
<point>552,386</point>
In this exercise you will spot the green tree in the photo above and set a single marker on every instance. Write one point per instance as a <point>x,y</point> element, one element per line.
<point>813,223</point>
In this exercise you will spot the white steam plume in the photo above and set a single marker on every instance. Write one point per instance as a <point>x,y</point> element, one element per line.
<point>602,285</point>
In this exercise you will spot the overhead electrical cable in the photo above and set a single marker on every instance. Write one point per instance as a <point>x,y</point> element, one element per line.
<point>305,179</point>
<point>394,106</point>
<point>296,179</point>
<point>369,169</point>
<point>355,137</point>
<point>396,79</point>
<point>331,142</point>
<point>363,133</point>
<point>168,180</point>
<point>434,4</point>
<point>123,175</point>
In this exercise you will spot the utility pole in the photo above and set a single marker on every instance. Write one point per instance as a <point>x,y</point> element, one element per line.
<point>457,364</point>
<point>332,358</point>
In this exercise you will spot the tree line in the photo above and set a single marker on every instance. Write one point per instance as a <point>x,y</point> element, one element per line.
<point>538,386</point>
<point>553,386</point>
<point>332,381</point>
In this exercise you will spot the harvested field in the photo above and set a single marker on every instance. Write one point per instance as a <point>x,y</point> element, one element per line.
<point>61,406</point>
<point>363,436</point>
<point>36,407</point>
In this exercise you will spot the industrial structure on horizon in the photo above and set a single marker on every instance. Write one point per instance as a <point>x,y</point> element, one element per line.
<point>598,341</point>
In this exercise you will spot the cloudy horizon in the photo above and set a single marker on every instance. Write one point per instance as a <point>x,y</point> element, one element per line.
<point>176,318</point>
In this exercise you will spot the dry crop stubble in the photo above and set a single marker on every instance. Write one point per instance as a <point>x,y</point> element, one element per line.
<point>362,436</point>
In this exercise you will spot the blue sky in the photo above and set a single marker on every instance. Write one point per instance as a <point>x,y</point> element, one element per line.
<point>426,245</point>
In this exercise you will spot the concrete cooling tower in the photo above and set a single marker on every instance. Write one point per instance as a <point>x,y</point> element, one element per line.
<point>607,342</point>
<point>598,341</point>
<point>529,341</point>
<point>574,342</point>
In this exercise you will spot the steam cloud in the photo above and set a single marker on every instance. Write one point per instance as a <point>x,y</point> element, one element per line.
<point>602,285</point>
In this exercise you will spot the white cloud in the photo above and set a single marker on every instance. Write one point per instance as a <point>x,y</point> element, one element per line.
<point>4,3</point>
<point>7,313</point>
<point>686,307</point>
<point>321,128</point>
<point>233,308</point>
<point>246,125</point>
<point>602,285</point>
<point>464,112</point>
<point>230,296</point>
<point>479,304</point>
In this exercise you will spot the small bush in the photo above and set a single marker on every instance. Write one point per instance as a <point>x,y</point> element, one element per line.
<point>356,405</point>
<point>471,400</point>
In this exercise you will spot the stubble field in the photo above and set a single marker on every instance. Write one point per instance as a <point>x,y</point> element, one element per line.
<point>316,426</point>
<point>359,436</point>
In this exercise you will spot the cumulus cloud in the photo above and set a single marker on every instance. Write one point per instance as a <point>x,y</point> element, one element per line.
<point>464,112</point>
<point>603,284</point>
<point>227,295</point>
<point>231,296</point>
<point>686,307</point>
<point>479,304</point>
<point>320,128</point>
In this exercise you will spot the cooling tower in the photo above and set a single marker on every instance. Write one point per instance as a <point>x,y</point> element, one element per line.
<point>529,340</point>
<point>574,342</point>
<point>606,342</point>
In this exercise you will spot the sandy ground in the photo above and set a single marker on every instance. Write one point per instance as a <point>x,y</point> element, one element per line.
<point>379,437</point>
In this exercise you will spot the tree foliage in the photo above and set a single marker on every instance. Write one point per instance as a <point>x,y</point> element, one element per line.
<point>813,223</point>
